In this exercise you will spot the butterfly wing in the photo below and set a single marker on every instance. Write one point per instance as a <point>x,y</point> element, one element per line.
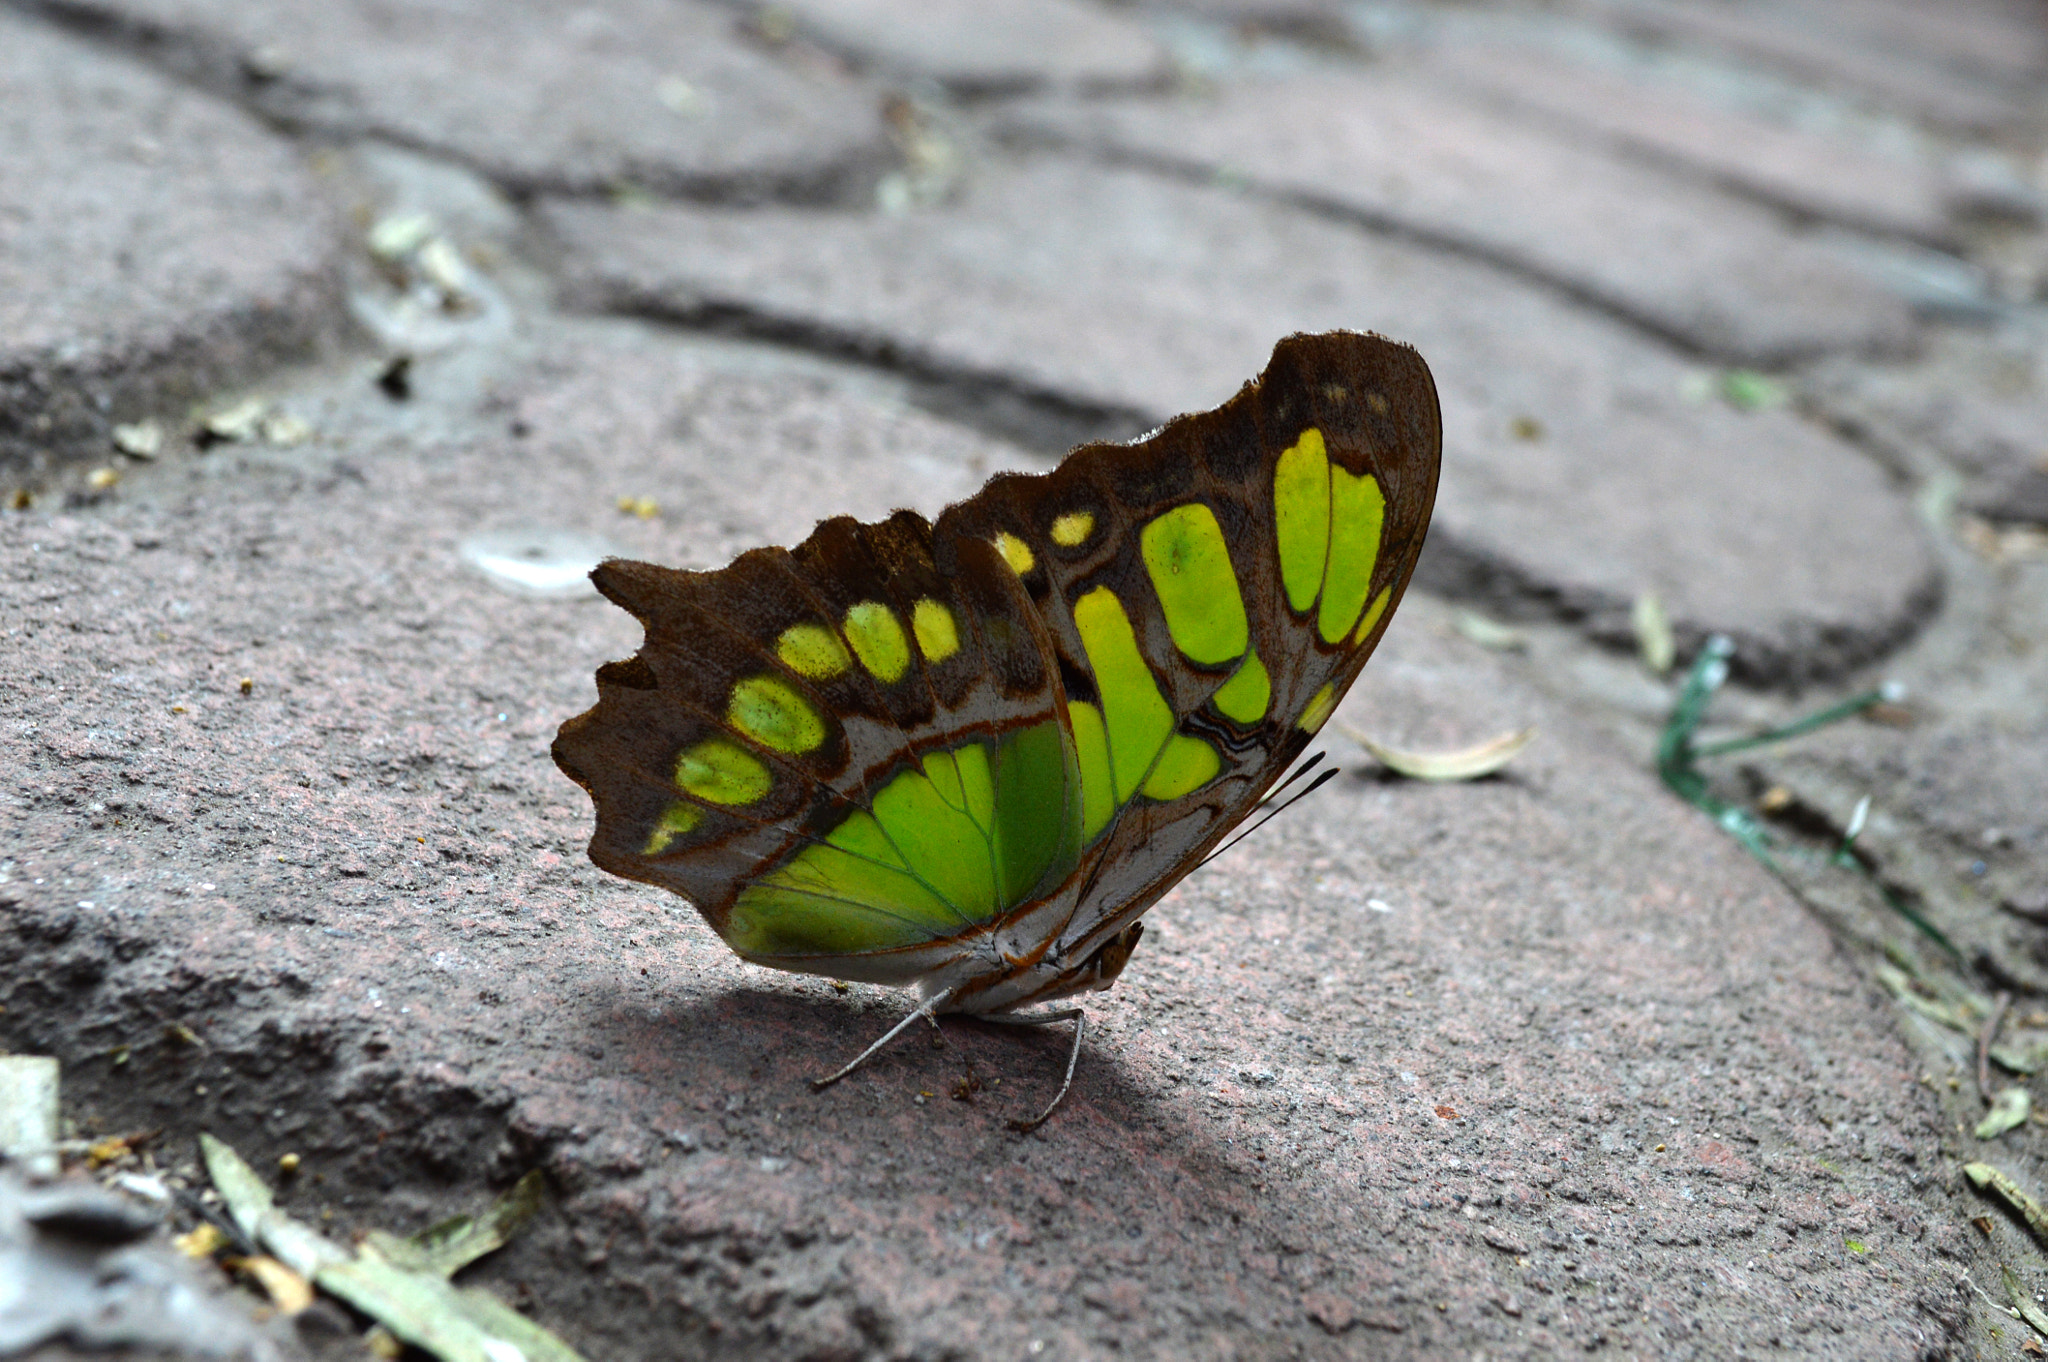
<point>982,748</point>
<point>1212,591</point>
<point>849,756</point>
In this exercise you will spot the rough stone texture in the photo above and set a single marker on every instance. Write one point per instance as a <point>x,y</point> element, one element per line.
<point>1978,402</point>
<point>984,47</point>
<point>1713,273</point>
<point>1150,296</point>
<point>1973,66</point>
<point>1810,172</point>
<point>663,95</point>
<point>359,886</point>
<point>154,245</point>
<point>1390,1079</point>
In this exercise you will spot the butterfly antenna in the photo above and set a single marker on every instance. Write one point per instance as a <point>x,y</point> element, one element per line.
<point>1302,768</point>
<point>1325,778</point>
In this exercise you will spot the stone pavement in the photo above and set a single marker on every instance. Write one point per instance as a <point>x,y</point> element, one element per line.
<point>338,336</point>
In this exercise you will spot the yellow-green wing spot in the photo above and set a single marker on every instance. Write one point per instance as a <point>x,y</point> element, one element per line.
<point>878,640</point>
<point>769,710</point>
<point>1185,766</point>
<point>1301,513</point>
<point>1372,615</point>
<point>677,820</point>
<point>1356,511</point>
<point>1245,696</point>
<point>1071,530</point>
<point>1091,748</point>
<point>976,830</point>
<point>1016,553</point>
<point>813,650</point>
<point>1190,569</point>
<point>1318,710</point>
<point>721,772</point>
<point>1133,711</point>
<point>938,636</point>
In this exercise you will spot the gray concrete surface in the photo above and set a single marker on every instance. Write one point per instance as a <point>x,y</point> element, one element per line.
<point>155,245</point>
<point>1540,1064</point>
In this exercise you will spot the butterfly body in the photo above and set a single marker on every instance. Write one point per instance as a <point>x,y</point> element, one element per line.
<point>967,756</point>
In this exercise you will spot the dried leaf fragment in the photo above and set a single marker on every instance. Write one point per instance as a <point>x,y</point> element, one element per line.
<point>413,1304</point>
<point>1656,644</point>
<point>1489,634</point>
<point>1984,1175</point>
<point>2009,1109</point>
<point>400,234</point>
<point>2023,1304</point>
<point>142,440</point>
<point>1468,763</point>
<point>238,423</point>
<point>202,1241</point>
<point>287,1290</point>
<point>28,1112</point>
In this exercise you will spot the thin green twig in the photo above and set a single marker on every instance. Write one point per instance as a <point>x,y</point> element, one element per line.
<point>1678,758</point>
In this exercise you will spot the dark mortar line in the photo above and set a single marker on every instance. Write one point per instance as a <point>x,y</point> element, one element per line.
<point>1601,304</point>
<point>893,79</point>
<point>1811,655</point>
<point>971,397</point>
<point>1796,214</point>
<point>1679,166</point>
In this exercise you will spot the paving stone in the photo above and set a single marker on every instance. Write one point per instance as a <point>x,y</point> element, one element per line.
<point>1576,474</point>
<point>1973,66</point>
<point>1713,273</point>
<point>1815,173</point>
<point>984,47</point>
<point>665,95</point>
<point>1978,401</point>
<point>153,244</point>
<point>1536,1064</point>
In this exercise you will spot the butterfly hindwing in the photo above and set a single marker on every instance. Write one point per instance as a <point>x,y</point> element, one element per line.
<point>828,750</point>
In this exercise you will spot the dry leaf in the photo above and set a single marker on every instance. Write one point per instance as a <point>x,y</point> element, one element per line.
<point>238,423</point>
<point>1984,1175</point>
<point>1655,643</point>
<point>1468,763</point>
<point>202,1242</point>
<point>143,440</point>
<point>2009,1109</point>
<point>290,1292</point>
<point>1489,634</point>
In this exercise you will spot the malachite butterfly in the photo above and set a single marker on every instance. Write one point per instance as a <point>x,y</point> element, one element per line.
<point>967,756</point>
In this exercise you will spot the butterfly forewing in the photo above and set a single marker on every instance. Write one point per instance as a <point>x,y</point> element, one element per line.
<point>1214,589</point>
<point>864,756</point>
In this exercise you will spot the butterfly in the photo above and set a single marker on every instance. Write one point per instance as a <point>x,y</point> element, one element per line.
<point>967,756</point>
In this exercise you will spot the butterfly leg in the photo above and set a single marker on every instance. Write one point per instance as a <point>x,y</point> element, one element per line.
<point>1072,1014</point>
<point>929,1011</point>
